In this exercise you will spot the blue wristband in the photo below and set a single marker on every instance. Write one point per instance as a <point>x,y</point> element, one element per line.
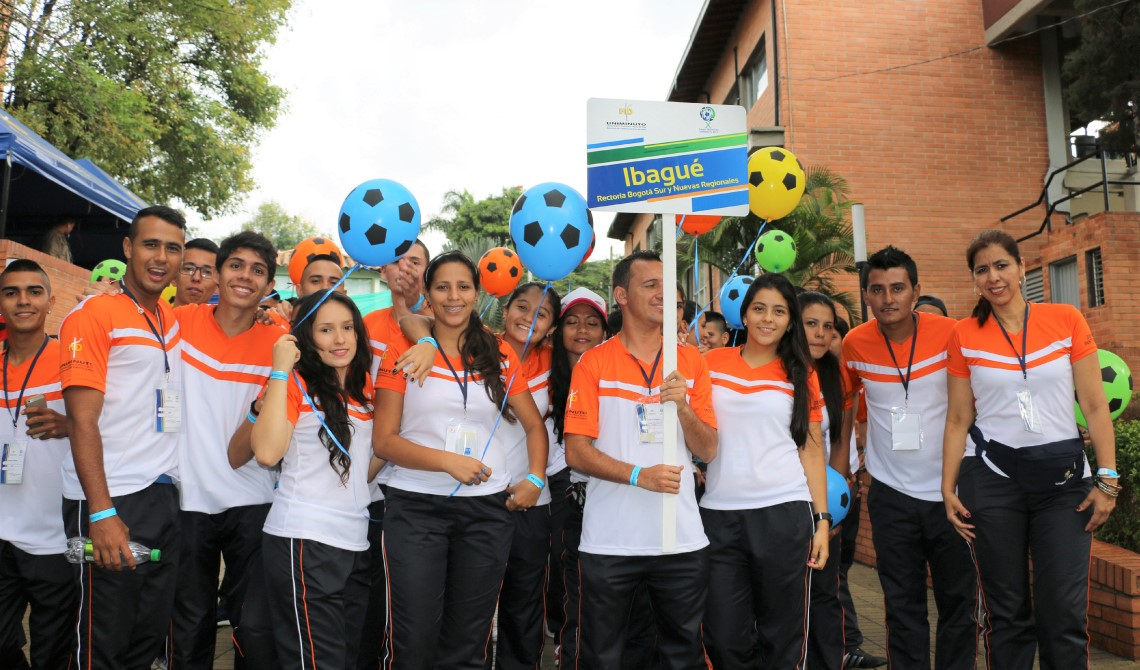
<point>1107,472</point>
<point>278,374</point>
<point>533,479</point>
<point>105,514</point>
<point>251,418</point>
<point>419,303</point>
<point>633,475</point>
<point>430,340</point>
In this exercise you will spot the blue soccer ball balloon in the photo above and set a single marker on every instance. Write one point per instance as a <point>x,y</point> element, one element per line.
<point>552,230</point>
<point>838,496</point>
<point>379,222</point>
<point>732,298</point>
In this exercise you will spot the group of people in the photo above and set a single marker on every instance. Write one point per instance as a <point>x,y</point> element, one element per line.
<point>384,489</point>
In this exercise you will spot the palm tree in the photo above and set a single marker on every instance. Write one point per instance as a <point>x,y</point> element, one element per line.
<point>824,246</point>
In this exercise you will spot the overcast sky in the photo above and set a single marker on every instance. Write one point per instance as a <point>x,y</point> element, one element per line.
<point>451,94</point>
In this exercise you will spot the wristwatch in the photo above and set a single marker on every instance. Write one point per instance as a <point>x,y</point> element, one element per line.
<point>822,516</point>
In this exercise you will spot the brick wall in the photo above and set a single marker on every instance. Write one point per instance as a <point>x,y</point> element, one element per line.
<point>67,280</point>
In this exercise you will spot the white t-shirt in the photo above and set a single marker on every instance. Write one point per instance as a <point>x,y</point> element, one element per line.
<point>221,376</point>
<point>757,463</point>
<point>311,502</point>
<point>536,370</point>
<point>607,385</point>
<point>30,511</point>
<point>429,408</point>
<point>916,473</point>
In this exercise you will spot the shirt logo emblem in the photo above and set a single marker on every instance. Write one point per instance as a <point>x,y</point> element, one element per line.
<point>75,347</point>
<point>573,397</point>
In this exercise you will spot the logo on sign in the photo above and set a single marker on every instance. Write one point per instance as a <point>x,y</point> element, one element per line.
<point>707,115</point>
<point>625,110</point>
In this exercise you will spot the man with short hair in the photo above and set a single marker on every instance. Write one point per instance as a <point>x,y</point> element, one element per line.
<point>33,569</point>
<point>120,369</point>
<point>321,274</point>
<point>713,331</point>
<point>931,304</point>
<point>227,356</point>
<point>197,276</point>
<point>614,434</point>
<point>899,358</point>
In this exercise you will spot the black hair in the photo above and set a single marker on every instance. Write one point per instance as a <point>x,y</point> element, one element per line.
<point>560,373</point>
<point>26,265</point>
<point>842,327</point>
<point>718,318</point>
<point>167,214</point>
<point>478,347</point>
<point>933,301</point>
<point>792,349</point>
<point>321,379</point>
<point>989,238</point>
<point>623,269</point>
<point>247,239</point>
<point>613,321</point>
<point>202,243</point>
<point>689,312</point>
<point>887,258</point>
<point>551,296</point>
<point>427,252</point>
<point>828,370</point>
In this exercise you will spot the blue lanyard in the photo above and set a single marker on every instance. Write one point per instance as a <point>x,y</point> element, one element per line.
<point>462,384</point>
<point>1024,354</point>
<point>159,336</point>
<point>20,399</point>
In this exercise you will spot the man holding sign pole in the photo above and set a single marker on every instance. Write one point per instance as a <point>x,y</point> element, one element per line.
<point>641,524</point>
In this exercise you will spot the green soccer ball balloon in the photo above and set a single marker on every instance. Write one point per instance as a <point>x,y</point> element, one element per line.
<point>109,269</point>
<point>776,251</point>
<point>1117,380</point>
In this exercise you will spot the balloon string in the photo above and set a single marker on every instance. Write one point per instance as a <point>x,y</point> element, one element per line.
<point>696,279</point>
<point>735,272</point>
<point>325,297</point>
<point>487,308</point>
<point>510,383</point>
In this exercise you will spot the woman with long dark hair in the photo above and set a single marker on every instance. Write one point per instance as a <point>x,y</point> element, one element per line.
<point>765,503</point>
<point>447,527</point>
<point>1022,485</point>
<point>316,422</point>
<point>528,318</point>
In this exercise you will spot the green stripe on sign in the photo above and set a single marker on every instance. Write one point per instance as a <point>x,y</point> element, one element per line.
<point>666,148</point>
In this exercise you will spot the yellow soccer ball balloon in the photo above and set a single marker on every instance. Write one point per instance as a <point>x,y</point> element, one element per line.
<point>775,183</point>
<point>168,293</point>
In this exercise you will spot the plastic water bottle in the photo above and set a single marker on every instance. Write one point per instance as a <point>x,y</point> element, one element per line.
<point>79,550</point>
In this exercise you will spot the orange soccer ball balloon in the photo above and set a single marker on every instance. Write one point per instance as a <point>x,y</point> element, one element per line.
<point>500,271</point>
<point>308,249</point>
<point>698,224</point>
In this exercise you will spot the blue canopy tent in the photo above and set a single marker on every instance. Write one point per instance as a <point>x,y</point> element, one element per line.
<point>40,186</point>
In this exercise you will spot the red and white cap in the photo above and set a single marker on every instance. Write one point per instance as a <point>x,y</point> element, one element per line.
<point>583,295</point>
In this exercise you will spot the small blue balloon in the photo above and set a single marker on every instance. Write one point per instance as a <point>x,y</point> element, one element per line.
<point>379,222</point>
<point>732,298</point>
<point>552,230</point>
<point>838,496</point>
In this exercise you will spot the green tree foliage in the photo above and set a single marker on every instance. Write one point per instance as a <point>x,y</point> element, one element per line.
<point>1103,72</point>
<point>824,246</point>
<point>463,218</point>
<point>283,229</point>
<point>167,95</point>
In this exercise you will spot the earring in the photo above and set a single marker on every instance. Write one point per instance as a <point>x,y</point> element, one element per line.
<point>977,293</point>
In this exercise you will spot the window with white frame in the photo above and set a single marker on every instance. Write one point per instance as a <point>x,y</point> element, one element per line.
<point>1064,289</point>
<point>1096,277</point>
<point>1035,285</point>
<point>754,78</point>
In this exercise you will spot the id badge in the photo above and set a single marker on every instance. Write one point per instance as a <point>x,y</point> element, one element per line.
<point>651,422</point>
<point>463,438</point>
<point>1029,416</point>
<point>12,462</point>
<point>906,430</point>
<point>168,409</point>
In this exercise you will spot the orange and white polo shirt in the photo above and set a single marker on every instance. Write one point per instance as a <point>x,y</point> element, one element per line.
<point>536,371</point>
<point>30,510</point>
<point>607,385</point>
<point>757,463</point>
<point>106,344</point>
<point>916,473</point>
<point>1056,336</point>
<point>429,408</point>
<point>221,376</point>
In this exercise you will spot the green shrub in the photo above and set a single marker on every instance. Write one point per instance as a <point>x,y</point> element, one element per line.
<point>1123,527</point>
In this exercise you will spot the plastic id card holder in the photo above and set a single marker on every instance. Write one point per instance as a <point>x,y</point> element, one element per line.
<point>906,430</point>
<point>1029,416</point>
<point>12,462</point>
<point>463,438</point>
<point>651,423</point>
<point>168,409</point>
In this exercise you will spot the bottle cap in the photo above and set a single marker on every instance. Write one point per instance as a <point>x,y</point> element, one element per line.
<point>155,555</point>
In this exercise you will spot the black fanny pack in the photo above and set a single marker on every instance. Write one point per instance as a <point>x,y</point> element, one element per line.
<point>1042,468</point>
